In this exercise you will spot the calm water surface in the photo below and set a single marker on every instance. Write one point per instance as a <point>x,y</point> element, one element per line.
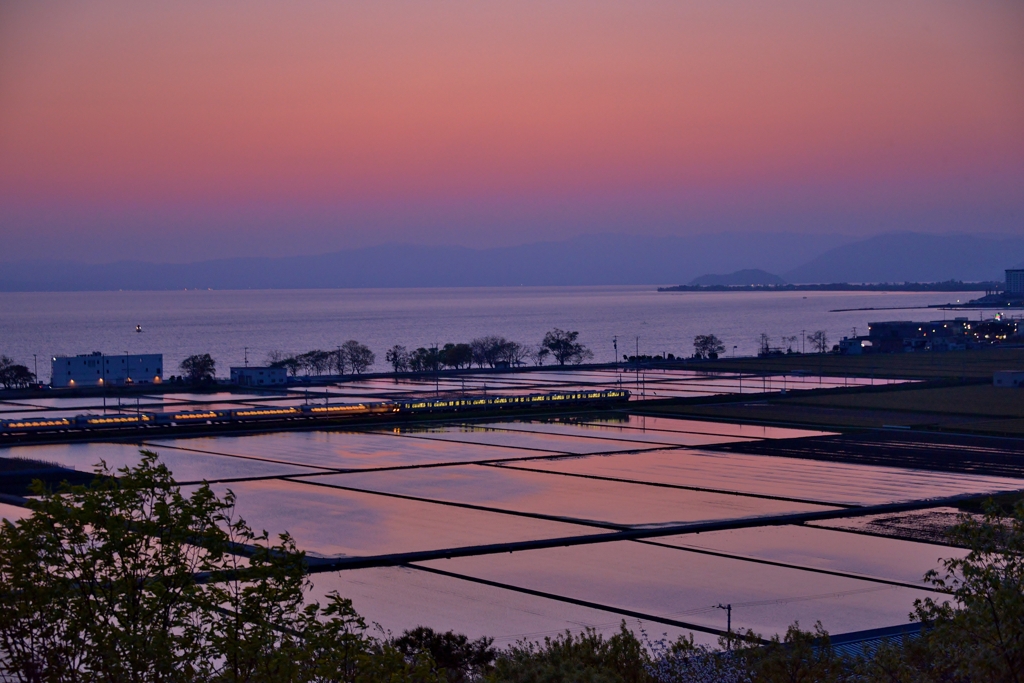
<point>306,483</point>
<point>224,323</point>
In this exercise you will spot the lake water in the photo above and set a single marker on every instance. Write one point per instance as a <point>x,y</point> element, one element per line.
<point>464,483</point>
<point>224,323</point>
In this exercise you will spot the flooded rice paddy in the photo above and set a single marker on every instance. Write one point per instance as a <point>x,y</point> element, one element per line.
<point>646,384</point>
<point>514,529</point>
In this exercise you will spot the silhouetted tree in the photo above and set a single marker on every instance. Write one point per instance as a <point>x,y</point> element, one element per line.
<point>707,346</point>
<point>425,360</point>
<point>398,357</point>
<point>338,361</point>
<point>199,369</point>
<point>514,353</point>
<point>289,363</point>
<point>13,375</point>
<point>564,348</point>
<point>819,341</point>
<point>457,355</point>
<point>459,658</point>
<point>358,356</point>
<point>488,350</point>
<point>315,362</point>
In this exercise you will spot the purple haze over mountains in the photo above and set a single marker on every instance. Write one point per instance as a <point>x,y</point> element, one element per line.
<point>594,260</point>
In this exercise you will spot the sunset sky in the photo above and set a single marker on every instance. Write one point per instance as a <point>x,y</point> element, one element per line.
<point>189,130</point>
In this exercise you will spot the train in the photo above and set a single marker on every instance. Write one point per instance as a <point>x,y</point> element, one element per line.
<point>310,412</point>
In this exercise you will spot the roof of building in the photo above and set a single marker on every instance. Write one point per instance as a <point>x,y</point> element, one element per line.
<point>866,643</point>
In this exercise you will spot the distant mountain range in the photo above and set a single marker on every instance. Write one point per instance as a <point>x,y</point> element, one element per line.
<point>590,260</point>
<point>913,257</point>
<point>741,278</point>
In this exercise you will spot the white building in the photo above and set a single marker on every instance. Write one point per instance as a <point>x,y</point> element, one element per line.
<point>96,370</point>
<point>259,377</point>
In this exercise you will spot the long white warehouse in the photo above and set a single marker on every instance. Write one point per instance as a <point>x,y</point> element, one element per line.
<point>96,370</point>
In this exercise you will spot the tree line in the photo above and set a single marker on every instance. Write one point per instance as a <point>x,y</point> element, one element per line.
<point>351,357</point>
<point>131,579</point>
<point>818,341</point>
<point>559,345</point>
<point>355,358</point>
<point>14,375</point>
<point>709,346</point>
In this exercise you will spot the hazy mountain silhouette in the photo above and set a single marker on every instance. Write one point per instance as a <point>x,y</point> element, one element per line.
<point>746,277</point>
<point>590,260</point>
<point>913,257</point>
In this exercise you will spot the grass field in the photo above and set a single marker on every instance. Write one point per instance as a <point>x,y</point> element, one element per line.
<point>970,364</point>
<point>975,408</point>
<point>981,400</point>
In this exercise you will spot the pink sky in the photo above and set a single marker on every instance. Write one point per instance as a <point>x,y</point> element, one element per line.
<point>131,129</point>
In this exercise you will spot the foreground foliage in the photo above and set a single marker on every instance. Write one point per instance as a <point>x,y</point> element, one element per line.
<point>131,580</point>
<point>981,631</point>
<point>584,657</point>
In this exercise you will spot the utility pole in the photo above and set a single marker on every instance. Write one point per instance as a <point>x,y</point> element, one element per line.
<point>638,363</point>
<point>246,352</point>
<point>35,360</point>
<point>615,353</point>
<point>802,336</point>
<point>728,628</point>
